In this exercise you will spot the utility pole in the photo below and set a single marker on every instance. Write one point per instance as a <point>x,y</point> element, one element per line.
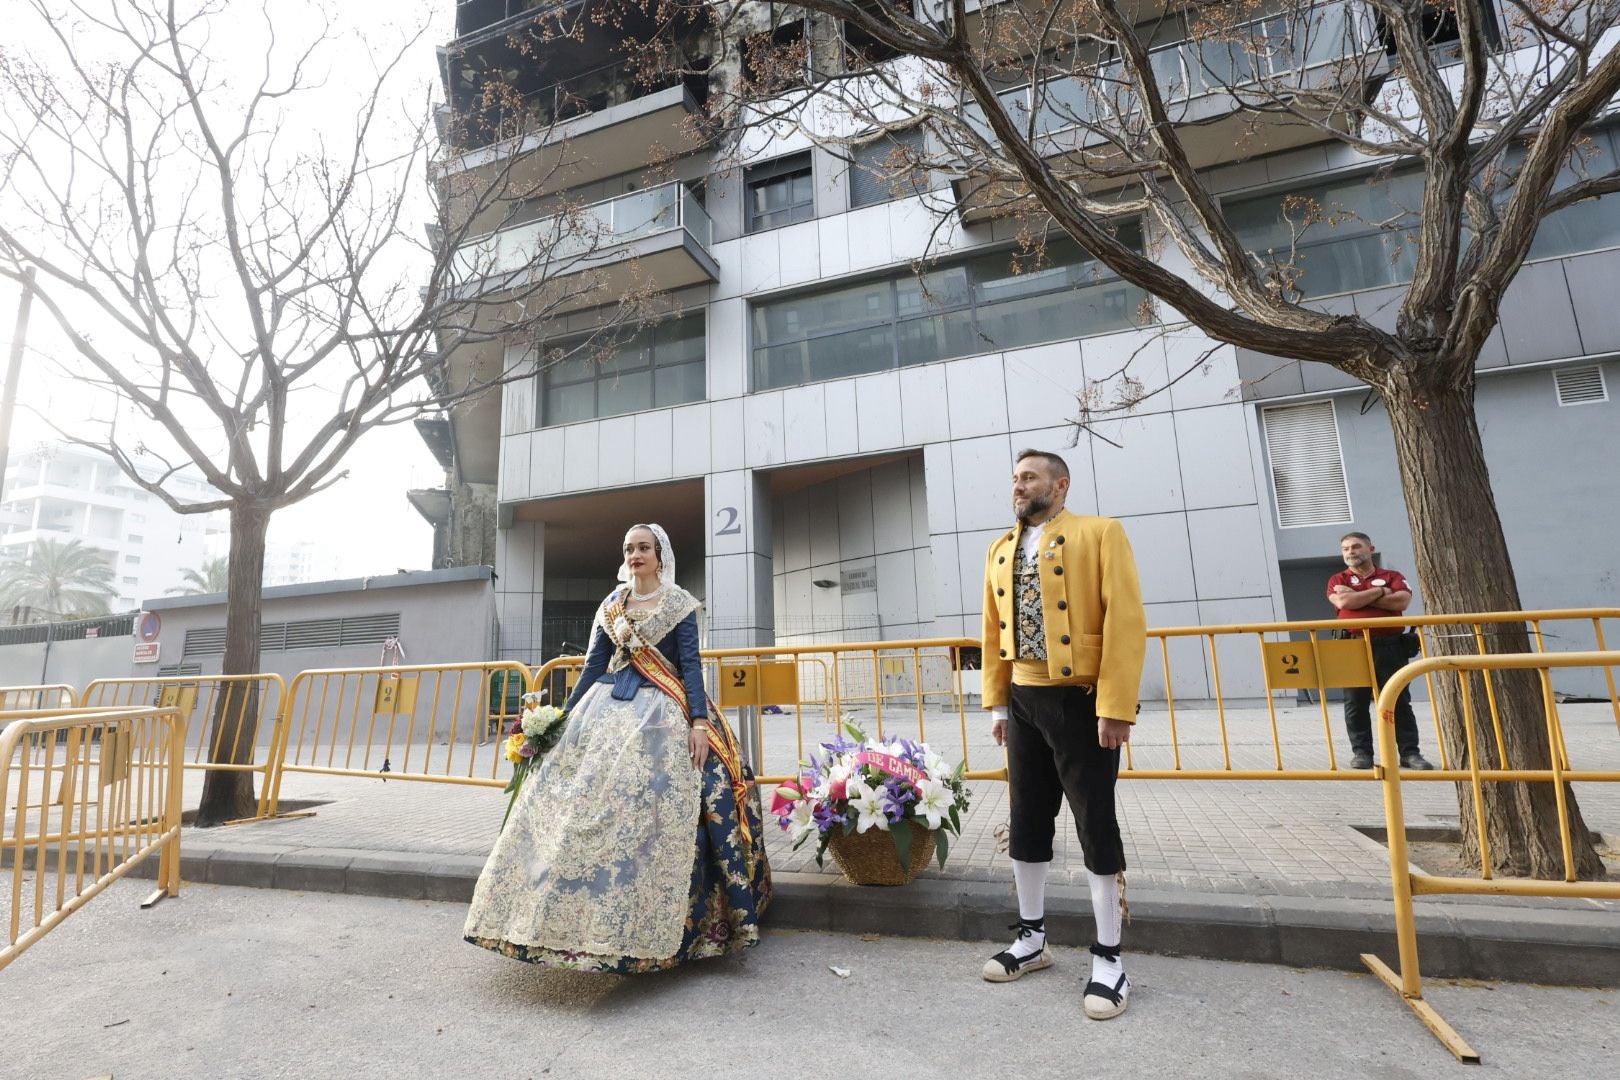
<point>8,398</point>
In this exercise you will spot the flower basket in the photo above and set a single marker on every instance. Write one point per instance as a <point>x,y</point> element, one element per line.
<point>870,801</point>
<point>870,858</point>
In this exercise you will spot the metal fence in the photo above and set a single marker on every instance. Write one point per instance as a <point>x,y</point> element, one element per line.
<point>121,773</point>
<point>1557,771</point>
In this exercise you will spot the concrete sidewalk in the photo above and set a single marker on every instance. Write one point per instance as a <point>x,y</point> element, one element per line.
<point>1274,871</point>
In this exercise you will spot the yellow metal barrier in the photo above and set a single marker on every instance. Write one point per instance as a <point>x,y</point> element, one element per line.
<point>43,696</point>
<point>1259,661</point>
<point>441,723</point>
<point>235,721</point>
<point>1408,982</point>
<point>897,679</point>
<point>1210,666</point>
<point>125,805</point>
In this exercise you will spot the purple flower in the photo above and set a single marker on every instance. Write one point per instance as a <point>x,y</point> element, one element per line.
<point>826,818</point>
<point>527,750</point>
<point>897,795</point>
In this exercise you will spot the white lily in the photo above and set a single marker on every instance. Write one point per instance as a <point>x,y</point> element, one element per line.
<point>868,807</point>
<point>802,821</point>
<point>934,802</point>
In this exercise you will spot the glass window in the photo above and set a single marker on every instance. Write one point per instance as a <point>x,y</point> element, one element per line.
<point>657,366</point>
<point>1340,236</point>
<point>997,301</point>
<point>1361,233</point>
<point>1590,225</point>
<point>779,193</point>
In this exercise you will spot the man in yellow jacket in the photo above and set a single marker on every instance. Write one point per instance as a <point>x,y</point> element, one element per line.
<point>1064,640</point>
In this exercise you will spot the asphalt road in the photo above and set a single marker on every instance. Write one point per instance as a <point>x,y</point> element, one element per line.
<point>256,983</point>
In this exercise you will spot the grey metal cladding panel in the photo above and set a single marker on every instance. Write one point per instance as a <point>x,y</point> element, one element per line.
<point>1264,376</point>
<point>1319,377</point>
<point>1538,321</point>
<point>1594,287</point>
<point>1380,307</point>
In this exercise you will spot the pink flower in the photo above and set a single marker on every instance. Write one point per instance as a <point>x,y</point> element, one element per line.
<point>837,790</point>
<point>528,749</point>
<point>786,795</point>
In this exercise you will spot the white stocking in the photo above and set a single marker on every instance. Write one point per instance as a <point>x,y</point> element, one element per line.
<point>1030,878</point>
<point>1106,910</point>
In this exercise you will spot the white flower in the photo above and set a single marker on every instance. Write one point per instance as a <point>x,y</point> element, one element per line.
<point>536,722</point>
<point>934,802</point>
<point>819,793</point>
<point>802,821</point>
<point>868,807</point>
<point>935,766</point>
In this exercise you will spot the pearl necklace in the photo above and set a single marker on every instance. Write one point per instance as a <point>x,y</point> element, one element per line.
<point>645,596</point>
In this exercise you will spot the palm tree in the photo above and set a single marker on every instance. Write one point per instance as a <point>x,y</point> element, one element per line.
<point>58,580</point>
<point>213,577</point>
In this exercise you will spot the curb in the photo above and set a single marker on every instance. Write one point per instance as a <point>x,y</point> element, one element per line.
<point>1553,946</point>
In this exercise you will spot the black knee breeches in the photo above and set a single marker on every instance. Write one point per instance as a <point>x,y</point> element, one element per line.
<point>1052,752</point>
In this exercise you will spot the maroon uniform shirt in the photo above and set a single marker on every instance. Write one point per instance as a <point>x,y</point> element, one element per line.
<point>1379,576</point>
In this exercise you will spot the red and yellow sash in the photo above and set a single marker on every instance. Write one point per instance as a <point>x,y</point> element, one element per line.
<point>655,667</point>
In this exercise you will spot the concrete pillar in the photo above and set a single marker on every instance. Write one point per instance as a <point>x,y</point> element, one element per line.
<point>740,606</point>
<point>520,585</point>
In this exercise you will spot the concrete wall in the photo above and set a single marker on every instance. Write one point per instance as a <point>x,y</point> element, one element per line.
<point>867,535</point>
<point>445,617</point>
<point>72,662</point>
<point>1556,474</point>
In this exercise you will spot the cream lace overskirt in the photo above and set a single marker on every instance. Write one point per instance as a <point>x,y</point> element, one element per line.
<point>597,856</point>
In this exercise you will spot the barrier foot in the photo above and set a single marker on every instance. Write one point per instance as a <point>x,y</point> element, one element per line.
<point>1432,1020</point>
<point>152,901</point>
<point>271,817</point>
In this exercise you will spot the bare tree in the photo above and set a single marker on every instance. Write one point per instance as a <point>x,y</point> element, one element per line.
<point>236,248</point>
<point>1071,117</point>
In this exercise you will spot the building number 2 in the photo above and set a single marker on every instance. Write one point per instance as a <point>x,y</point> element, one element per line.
<point>731,525</point>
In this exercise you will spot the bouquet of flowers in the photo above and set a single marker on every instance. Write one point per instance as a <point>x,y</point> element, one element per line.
<point>858,784</point>
<point>528,740</point>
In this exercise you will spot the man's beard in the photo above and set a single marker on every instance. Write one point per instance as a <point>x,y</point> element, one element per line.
<point>1035,506</point>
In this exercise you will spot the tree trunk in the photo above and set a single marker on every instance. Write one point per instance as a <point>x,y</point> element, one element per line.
<point>229,795</point>
<point>1463,566</point>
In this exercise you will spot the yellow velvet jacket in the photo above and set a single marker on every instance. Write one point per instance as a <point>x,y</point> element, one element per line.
<point>1091,607</point>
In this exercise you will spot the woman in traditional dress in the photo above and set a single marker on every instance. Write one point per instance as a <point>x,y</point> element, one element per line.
<point>636,844</point>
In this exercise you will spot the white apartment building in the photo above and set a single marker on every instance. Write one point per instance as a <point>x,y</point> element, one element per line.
<point>62,492</point>
<point>828,440</point>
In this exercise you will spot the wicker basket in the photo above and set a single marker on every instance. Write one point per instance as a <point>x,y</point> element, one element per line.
<point>870,858</point>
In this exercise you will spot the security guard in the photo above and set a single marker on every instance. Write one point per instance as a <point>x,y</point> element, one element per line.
<point>1064,640</point>
<point>1365,590</point>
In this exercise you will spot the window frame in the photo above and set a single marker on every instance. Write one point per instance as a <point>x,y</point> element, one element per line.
<point>787,167</point>
<point>1608,133</point>
<point>895,318</point>
<point>597,376</point>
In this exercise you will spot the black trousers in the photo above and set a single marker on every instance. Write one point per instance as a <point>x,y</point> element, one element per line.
<point>1052,753</point>
<point>1389,656</point>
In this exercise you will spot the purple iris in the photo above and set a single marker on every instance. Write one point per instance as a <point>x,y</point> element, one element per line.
<point>897,795</point>
<point>826,818</point>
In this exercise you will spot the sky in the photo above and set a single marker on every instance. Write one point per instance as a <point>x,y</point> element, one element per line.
<point>364,517</point>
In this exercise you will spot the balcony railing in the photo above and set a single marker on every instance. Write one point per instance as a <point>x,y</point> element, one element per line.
<point>567,242</point>
<point>1263,49</point>
<point>507,116</point>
